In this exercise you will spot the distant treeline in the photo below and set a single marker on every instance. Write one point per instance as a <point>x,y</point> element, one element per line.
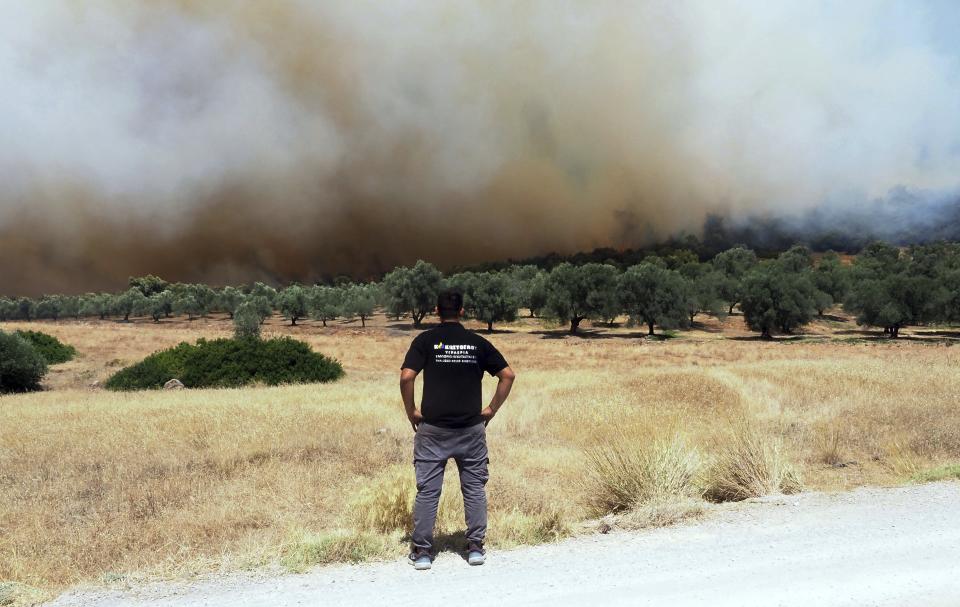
<point>903,218</point>
<point>885,286</point>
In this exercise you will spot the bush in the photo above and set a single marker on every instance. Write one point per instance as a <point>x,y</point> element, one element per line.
<point>625,475</point>
<point>229,363</point>
<point>386,505</point>
<point>21,366</point>
<point>50,348</point>
<point>749,464</point>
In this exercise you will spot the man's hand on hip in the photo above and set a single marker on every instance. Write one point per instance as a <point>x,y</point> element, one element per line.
<point>415,419</point>
<point>487,414</point>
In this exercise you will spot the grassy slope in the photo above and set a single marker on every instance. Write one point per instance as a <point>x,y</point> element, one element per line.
<point>94,485</point>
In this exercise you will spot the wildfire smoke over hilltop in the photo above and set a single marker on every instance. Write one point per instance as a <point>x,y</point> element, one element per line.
<point>230,141</point>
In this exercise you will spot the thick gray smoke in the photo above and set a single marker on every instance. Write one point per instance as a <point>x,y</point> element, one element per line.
<point>231,140</point>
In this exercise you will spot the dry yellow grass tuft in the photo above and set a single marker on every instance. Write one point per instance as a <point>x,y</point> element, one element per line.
<point>97,485</point>
<point>748,463</point>
<point>624,474</point>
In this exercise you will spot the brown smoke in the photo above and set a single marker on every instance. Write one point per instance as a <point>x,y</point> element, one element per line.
<point>232,141</point>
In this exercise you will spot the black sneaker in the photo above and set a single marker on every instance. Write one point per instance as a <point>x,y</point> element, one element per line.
<point>420,559</point>
<point>475,553</point>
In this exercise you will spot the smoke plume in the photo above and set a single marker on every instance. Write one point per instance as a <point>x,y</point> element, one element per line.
<point>232,140</point>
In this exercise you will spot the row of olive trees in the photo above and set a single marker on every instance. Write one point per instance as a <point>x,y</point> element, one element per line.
<point>154,298</point>
<point>658,292</point>
<point>884,287</point>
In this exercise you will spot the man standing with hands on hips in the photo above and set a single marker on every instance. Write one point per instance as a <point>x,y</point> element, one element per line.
<point>451,422</point>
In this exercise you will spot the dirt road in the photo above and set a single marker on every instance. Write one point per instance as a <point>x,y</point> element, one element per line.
<point>867,547</point>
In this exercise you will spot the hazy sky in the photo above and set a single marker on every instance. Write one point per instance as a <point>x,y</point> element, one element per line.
<point>224,140</point>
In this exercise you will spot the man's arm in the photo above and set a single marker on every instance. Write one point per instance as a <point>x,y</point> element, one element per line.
<point>408,378</point>
<point>506,377</point>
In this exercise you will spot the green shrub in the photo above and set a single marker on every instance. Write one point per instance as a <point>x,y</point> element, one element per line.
<point>942,473</point>
<point>306,550</point>
<point>153,371</point>
<point>229,363</point>
<point>50,348</point>
<point>21,366</point>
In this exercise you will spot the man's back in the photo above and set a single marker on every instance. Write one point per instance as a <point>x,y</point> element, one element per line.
<point>453,361</point>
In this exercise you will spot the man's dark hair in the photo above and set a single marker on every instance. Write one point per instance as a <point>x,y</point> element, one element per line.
<point>449,303</point>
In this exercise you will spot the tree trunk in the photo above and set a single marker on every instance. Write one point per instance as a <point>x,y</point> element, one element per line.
<point>574,323</point>
<point>766,333</point>
<point>894,332</point>
<point>126,317</point>
<point>730,311</point>
<point>363,322</point>
<point>692,314</point>
<point>324,321</point>
<point>293,321</point>
<point>489,326</point>
<point>649,327</point>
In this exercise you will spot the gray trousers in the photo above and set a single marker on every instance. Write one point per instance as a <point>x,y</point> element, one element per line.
<point>432,447</point>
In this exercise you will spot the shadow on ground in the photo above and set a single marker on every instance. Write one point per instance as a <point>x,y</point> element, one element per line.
<point>601,334</point>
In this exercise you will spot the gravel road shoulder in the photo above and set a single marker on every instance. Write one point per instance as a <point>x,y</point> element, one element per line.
<point>871,546</point>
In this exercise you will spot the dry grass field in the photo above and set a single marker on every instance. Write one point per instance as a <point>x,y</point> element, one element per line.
<point>104,487</point>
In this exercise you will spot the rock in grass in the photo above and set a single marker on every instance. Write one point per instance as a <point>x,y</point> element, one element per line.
<point>173,384</point>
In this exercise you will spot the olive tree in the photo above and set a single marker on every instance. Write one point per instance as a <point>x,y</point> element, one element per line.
<point>246,321</point>
<point>325,303</point>
<point>148,285</point>
<point>360,301</point>
<point>49,306</point>
<point>228,299</point>
<point>7,309</point>
<point>492,297</point>
<point>575,293</point>
<point>654,295</point>
<point>96,304</point>
<point>128,303</point>
<point>25,309</point>
<point>776,298</point>
<point>260,289</point>
<point>157,306</point>
<point>831,278</point>
<point>292,303</point>
<point>188,304</point>
<point>891,291</point>
<point>413,290</point>
<point>205,297</point>
<point>733,263</point>
<point>530,283</point>
<point>703,290</point>
<point>261,304</point>
<point>70,306</point>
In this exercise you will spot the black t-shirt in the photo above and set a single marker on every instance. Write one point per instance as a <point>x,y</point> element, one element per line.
<point>453,360</point>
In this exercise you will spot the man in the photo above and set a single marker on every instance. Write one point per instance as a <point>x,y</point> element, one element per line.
<point>451,422</point>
